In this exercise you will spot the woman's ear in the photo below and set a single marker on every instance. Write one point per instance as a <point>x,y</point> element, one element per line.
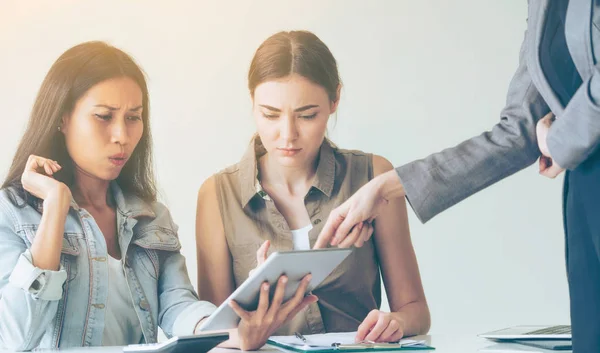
<point>62,127</point>
<point>334,104</point>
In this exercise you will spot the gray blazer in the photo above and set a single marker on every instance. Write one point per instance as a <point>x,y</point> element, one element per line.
<point>443,179</point>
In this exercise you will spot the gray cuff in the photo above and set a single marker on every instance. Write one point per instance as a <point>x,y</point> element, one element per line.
<point>414,196</point>
<point>41,284</point>
<point>575,135</point>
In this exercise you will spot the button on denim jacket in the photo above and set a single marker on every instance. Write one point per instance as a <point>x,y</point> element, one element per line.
<point>66,308</point>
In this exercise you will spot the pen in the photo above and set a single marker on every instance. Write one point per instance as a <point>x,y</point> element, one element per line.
<point>300,337</point>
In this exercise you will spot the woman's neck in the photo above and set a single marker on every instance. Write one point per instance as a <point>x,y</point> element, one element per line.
<point>293,180</point>
<point>90,191</point>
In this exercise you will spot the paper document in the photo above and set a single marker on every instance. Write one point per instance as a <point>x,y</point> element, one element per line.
<point>329,340</point>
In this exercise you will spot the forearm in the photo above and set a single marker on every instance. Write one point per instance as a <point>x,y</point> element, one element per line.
<point>29,298</point>
<point>388,185</point>
<point>24,318</point>
<point>47,244</point>
<point>180,309</point>
<point>441,180</point>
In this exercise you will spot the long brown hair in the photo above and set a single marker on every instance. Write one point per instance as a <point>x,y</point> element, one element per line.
<point>69,78</point>
<point>300,52</point>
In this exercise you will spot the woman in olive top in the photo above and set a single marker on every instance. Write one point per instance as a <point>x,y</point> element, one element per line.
<point>279,195</point>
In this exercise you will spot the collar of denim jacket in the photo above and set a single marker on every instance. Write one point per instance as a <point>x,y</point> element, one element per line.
<point>130,205</point>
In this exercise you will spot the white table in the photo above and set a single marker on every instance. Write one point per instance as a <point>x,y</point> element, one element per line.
<point>442,343</point>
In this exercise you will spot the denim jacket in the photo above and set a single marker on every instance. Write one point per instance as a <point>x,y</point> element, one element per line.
<point>65,308</point>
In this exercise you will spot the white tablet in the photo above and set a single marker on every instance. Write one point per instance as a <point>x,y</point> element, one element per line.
<point>294,264</point>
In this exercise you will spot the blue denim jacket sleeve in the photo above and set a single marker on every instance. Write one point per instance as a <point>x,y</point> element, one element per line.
<point>28,295</point>
<point>180,310</point>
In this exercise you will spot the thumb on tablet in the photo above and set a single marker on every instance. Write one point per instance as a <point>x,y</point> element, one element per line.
<point>261,254</point>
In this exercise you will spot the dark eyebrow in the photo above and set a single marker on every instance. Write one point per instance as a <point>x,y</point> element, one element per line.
<point>301,109</point>
<point>270,108</point>
<point>117,108</point>
<point>306,107</point>
<point>106,106</point>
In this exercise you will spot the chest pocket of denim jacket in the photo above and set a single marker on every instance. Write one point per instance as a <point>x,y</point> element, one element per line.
<point>150,242</point>
<point>70,247</point>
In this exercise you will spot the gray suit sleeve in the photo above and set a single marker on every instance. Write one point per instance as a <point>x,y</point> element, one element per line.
<point>576,133</point>
<point>443,179</point>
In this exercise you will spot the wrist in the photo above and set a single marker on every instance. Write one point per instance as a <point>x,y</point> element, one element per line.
<point>388,185</point>
<point>199,325</point>
<point>58,199</point>
<point>249,341</point>
<point>400,319</point>
<point>543,146</point>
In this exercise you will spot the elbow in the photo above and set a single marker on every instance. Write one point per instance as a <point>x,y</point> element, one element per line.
<point>17,335</point>
<point>20,347</point>
<point>16,343</point>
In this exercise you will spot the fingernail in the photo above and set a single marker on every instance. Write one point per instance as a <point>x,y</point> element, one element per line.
<point>308,277</point>
<point>284,279</point>
<point>266,286</point>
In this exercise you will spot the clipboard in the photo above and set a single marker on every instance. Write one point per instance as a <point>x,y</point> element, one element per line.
<point>300,349</point>
<point>341,342</point>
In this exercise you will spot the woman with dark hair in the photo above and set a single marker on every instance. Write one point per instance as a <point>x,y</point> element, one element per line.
<point>277,197</point>
<point>89,257</point>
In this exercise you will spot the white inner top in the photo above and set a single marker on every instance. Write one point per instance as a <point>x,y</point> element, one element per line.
<point>300,238</point>
<point>121,324</point>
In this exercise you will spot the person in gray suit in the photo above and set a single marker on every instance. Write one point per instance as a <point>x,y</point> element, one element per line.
<point>552,112</point>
